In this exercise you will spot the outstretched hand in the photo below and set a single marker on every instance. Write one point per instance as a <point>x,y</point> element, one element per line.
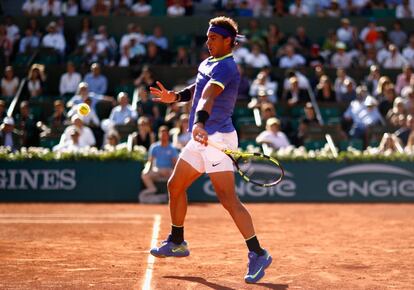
<point>162,94</point>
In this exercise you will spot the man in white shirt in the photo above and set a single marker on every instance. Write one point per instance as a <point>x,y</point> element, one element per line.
<point>177,9</point>
<point>134,32</point>
<point>341,58</point>
<point>298,9</point>
<point>346,33</point>
<point>123,113</point>
<point>13,31</point>
<point>86,137</point>
<point>71,145</point>
<point>70,80</point>
<point>272,136</point>
<point>53,39</point>
<point>257,59</point>
<point>395,60</point>
<point>51,8</point>
<point>141,8</point>
<point>291,59</point>
<point>87,5</point>
<point>31,8</point>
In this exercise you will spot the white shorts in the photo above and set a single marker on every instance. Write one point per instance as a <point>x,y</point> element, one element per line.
<point>207,158</point>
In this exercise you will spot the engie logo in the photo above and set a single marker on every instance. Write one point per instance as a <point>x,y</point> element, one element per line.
<point>43,179</point>
<point>286,188</point>
<point>375,180</point>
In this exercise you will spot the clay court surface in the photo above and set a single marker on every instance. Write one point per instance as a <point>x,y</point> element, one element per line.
<point>105,246</point>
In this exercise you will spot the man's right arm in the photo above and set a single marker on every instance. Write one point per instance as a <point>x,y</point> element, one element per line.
<point>165,96</point>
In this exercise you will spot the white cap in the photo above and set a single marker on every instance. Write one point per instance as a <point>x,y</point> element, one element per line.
<point>8,121</point>
<point>370,101</point>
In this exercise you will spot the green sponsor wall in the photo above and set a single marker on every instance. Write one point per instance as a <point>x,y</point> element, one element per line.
<point>118,181</point>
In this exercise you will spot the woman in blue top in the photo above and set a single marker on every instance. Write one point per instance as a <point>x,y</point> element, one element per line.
<point>213,98</point>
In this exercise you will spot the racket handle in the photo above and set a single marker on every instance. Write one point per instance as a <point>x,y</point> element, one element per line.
<point>216,145</point>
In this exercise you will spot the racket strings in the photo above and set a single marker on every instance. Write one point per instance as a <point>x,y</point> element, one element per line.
<point>259,169</point>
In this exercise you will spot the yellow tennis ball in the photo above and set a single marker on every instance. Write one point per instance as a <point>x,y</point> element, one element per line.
<point>83,109</point>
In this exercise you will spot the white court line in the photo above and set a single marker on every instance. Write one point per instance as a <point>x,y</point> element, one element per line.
<point>151,259</point>
<point>74,215</point>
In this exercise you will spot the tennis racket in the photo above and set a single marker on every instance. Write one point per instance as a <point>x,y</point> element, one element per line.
<point>256,168</point>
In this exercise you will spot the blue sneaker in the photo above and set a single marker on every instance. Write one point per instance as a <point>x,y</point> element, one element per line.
<point>169,249</point>
<point>256,266</point>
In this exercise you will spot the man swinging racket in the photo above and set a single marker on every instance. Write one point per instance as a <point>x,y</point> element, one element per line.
<point>213,97</point>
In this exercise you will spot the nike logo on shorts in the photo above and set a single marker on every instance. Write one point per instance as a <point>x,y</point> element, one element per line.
<point>215,164</point>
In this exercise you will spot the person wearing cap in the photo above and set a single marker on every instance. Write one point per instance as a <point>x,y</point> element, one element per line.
<point>368,115</point>
<point>213,97</point>
<point>86,137</point>
<point>53,39</point>
<point>272,136</point>
<point>72,144</point>
<point>346,33</point>
<point>341,58</point>
<point>9,136</point>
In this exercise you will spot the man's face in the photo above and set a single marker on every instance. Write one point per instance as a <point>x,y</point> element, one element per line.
<point>163,135</point>
<point>216,44</point>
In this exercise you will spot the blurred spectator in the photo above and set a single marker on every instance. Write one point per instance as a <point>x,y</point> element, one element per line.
<point>305,122</point>
<point>86,137</point>
<point>101,8</point>
<point>180,134</point>
<point>243,9</point>
<point>341,58</point>
<point>29,42</point>
<point>9,136</point>
<point>291,59</point>
<point>141,8</point>
<point>244,86</point>
<point>35,82</point>
<point>408,129</point>
<point>372,79</point>
<point>349,94</point>
<point>112,141</point>
<point>144,136</point>
<point>346,33</point>
<point>263,84</point>
<point>408,51</point>
<point>182,58</point>
<point>395,60</point>
<point>2,110</point>
<point>32,7</point>
<point>390,144</point>
<point>97,83</point>
<point>162,157</point>
<point>91,119</point>
<point>333,10</point>
<point>70,8</point>
<point>122,9</point>
<point>303,82</point>
<point>315,58</point>
<point>398,36</point>
<point>369,34</point>
<point>26,125</point>
<point>134,32</point>
<point>363,116</point>
<point>267,111</point>
<point>153,55</point>
<point>339,84</point>
<point>13,31</point>
<point>387,99</point>
<point>302,39</point>
<point>254,33</point>
<point>6,45</point>
<point>257,59</point>
<point>86,32</point>
<point>240,52</point>
<point>123,113</point>
<point>272,136</point>
<point>51,8</point>
<point>404,79</point>
<point>146,78</point>
<point>83,93</point>
<point>70,80</point>
<point>58,117</point>
<point>298,9</point>
<point>176,9</point>
<point>158,38</point>
<point>279,10</point>
<point>295,94</point>
<point>53,39</point>
<point>379,90</point>
<point>394,114</point>
<point>72,144</point>
<point>274,38</point>
<point>325,91</point>
<point>34,26</point>
<point>9,83</point>
<point>262,8</point>
<point>106,44</point>
<point>87,5</point>
<point>404,10</point>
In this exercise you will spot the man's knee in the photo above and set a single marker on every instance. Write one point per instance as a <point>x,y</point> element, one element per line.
<point>231,204</point>
<point>175,187</point>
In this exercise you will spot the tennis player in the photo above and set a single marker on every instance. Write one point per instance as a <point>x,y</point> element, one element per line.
<point>213,98</point>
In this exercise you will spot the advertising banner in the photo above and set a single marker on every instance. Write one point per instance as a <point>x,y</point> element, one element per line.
<point>120,181</point>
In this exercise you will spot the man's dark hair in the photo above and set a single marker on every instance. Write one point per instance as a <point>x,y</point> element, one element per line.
<point>226,23</point>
